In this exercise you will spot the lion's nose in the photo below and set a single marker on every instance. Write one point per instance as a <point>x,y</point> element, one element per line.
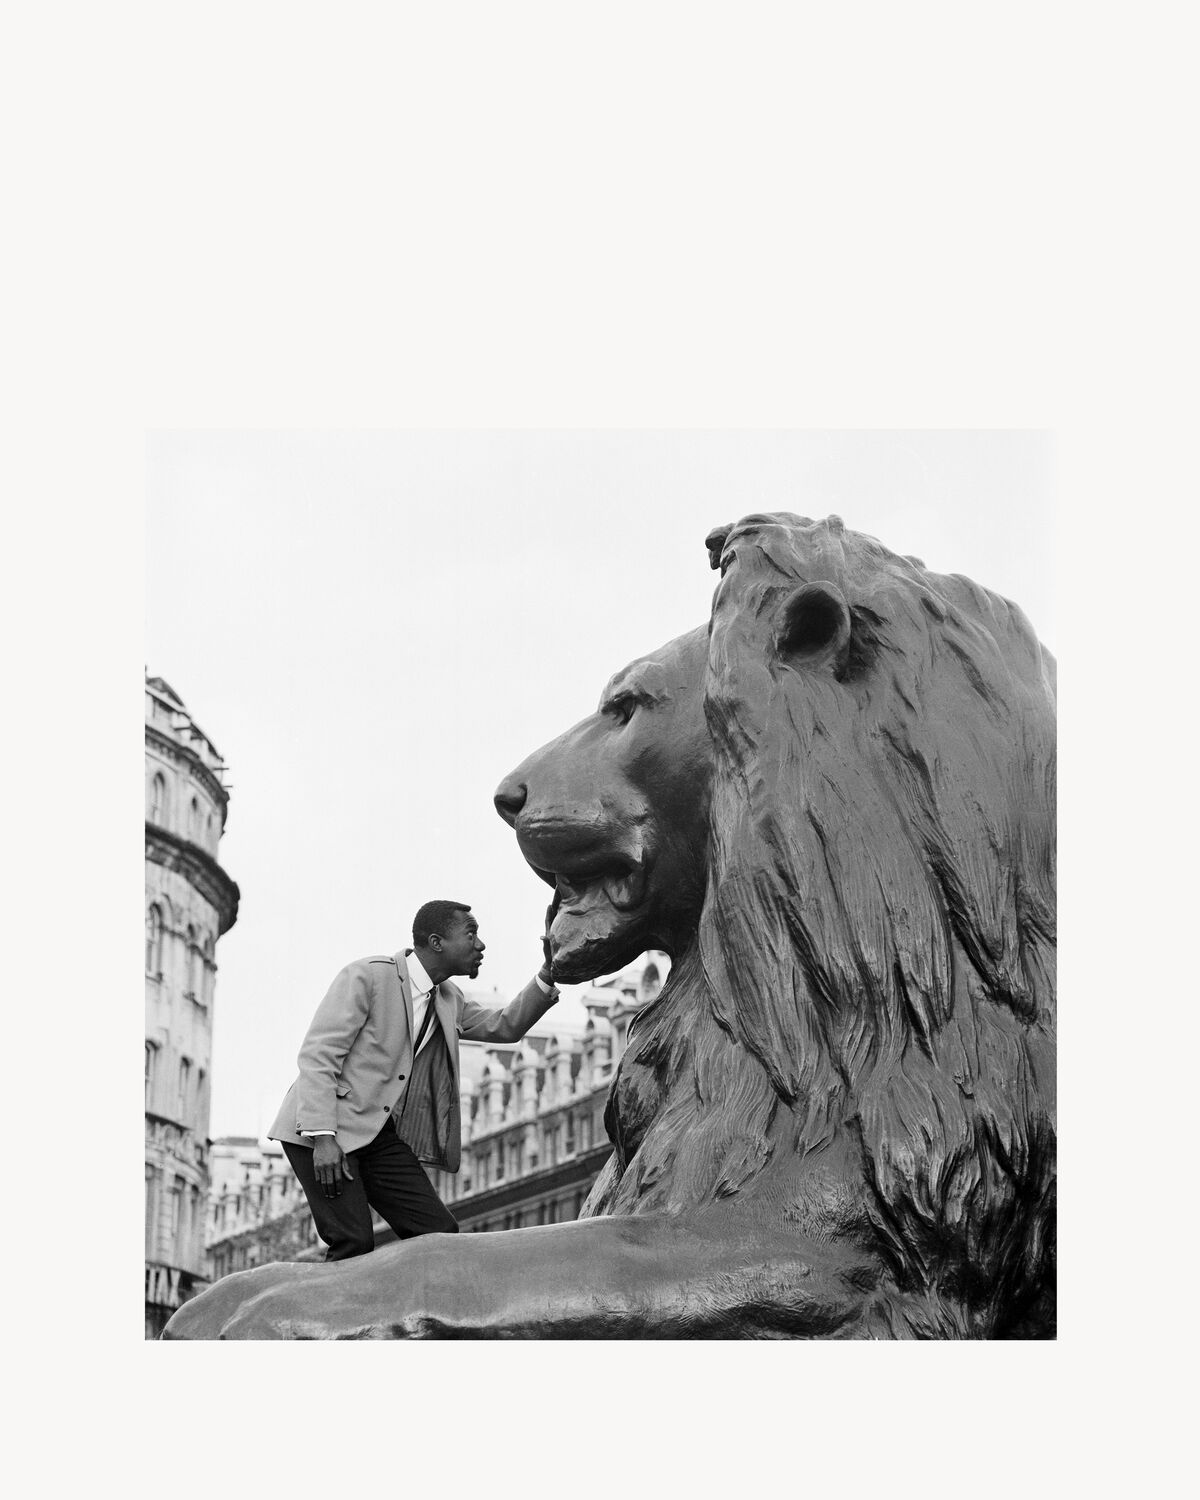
<point>510,799</point>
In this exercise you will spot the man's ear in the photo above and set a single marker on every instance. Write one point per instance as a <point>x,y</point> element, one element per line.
<point>812,629</point>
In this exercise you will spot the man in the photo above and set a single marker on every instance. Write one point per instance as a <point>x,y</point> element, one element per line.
<point>377,1093</point>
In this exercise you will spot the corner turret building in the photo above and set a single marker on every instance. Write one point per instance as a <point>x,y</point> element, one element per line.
<point>190,903</point>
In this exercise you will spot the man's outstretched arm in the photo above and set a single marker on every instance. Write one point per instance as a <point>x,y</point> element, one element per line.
<point>476,1023</point>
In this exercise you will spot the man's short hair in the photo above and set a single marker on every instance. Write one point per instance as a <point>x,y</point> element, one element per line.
<point>435,916</point>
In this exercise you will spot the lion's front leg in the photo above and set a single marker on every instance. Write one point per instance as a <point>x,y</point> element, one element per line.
<point>713,1276</point>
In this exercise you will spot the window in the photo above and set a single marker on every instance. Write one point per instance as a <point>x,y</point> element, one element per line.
<point>150,1204</point>
<point>194,821</point>
<point>154,937</point>
<point>185,1084</point>
<point>158,800</point>
<point>207,972</point>
<point>193,956</point>
<point>176,1207</point>
<point>151,1070</point>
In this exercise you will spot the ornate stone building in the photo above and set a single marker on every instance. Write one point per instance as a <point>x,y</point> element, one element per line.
<point>533,1136</point>
<point>190,903</point>
<point>256,1208</point>
<point>533,1123</point>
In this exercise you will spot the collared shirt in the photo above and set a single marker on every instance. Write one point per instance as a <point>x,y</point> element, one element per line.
<point>422,989</point>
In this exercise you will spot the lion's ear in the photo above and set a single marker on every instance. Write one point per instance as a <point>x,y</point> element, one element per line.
<point>812,629</point>
<point>715,542</point>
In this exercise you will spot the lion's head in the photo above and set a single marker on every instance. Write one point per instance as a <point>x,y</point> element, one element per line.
<point>614,815</point>
<point>835,809</point>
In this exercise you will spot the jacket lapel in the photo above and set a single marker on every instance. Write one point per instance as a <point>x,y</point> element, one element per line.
<point>447,1013</point>
<point>406,991</point>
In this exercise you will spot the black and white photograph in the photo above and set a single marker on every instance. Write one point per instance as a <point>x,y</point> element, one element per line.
<point>631,883</point>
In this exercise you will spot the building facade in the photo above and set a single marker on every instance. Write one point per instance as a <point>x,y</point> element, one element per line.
<point>533,1136</point>
<point>257,1211</point>
<point>190,903</point>
<point>534,1139</point>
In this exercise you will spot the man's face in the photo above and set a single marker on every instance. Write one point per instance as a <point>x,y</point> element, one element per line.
<point>462,947</point>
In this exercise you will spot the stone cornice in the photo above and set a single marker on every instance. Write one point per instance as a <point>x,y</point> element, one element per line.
<point>202,772</point>
<point>580,1168</point>
<point>547,1114</point>
<point>199,869</point>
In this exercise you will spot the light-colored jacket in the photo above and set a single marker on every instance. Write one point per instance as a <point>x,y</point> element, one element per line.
<point>359,1051</point>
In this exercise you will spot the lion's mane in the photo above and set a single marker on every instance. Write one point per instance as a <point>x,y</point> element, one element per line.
<point>871,990</point>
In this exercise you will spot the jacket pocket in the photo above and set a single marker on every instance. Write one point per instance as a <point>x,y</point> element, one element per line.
<point>341,1089</point>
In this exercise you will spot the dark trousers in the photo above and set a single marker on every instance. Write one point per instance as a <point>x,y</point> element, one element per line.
<point>388,1178</point>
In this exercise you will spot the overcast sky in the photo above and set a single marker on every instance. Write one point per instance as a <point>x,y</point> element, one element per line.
<point>374,628</point>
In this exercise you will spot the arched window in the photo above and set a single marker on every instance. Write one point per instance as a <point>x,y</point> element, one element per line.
<point>206,972</point>
<point>151,1069</point>
<point>194,821</point>
<point>185,1087</point>
<point>192,987</point>
<point>158,800</point>
<point>151,1209</point>
<point>154,935</point>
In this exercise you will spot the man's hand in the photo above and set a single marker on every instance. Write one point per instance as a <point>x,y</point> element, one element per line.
<point>547,970</point>
<point>331,1164</point>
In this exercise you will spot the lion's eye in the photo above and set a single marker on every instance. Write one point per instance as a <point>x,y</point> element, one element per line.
<point>622,709</point>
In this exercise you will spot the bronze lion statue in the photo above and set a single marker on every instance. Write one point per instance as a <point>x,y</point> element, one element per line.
<point>834,806</point>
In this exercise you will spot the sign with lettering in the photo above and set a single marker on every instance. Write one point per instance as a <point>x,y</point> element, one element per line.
<point>167,1286</point>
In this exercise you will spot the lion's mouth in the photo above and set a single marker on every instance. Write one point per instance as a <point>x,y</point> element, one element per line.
<point>621,885</point>
<point>596,894</point>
